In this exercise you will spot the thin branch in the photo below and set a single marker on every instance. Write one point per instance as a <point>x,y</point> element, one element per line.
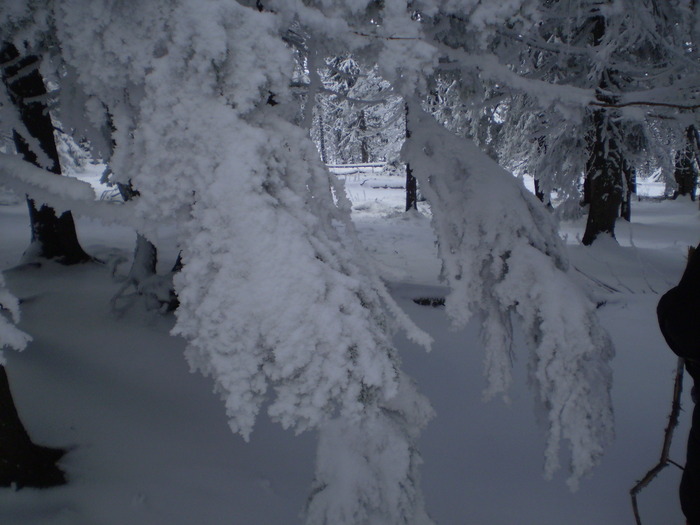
<point>664,460</point>
<point>645,103</point>
<point>544,45</point>
<point>382,37</point>
<point>328,91</point>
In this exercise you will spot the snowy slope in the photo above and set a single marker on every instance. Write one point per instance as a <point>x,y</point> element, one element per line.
<point>150,444</point>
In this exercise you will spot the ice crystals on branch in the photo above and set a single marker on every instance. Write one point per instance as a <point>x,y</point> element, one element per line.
<point>502,258</point>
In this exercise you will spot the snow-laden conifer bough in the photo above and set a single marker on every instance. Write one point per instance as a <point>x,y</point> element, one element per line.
<point>277,301</point>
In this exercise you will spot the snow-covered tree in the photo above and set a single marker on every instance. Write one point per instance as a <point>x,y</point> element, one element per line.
<point>359,119</point>
<point>686,166</point>
<point>288,305</point>
<point>277,300</point>
<point>24,114</point>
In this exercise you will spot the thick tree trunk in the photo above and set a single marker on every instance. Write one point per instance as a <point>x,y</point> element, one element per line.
<point>686,170</point>
<point>603,184</point>
<point>22,463</point>
<point>52,237</point>
<point>604,175</point>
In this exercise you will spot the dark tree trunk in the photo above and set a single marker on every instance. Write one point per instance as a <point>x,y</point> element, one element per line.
<point>630,174</point>
<point>52,237</point>
<point>22,463</point>
<point>605,164</point>
<point>538,191</point>
<point>686,170</point>
<point>322,135</point>
<point>604,175</point>
<point>541,151</point>
<point>411,190</point>
<point>411,183</point>
<point>364,147</point>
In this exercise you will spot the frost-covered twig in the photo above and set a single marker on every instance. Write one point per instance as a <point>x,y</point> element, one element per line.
<point>61,193</point>
<point>664,460</point>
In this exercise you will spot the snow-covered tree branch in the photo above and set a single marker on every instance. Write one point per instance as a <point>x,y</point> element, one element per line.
<point>196,106</point>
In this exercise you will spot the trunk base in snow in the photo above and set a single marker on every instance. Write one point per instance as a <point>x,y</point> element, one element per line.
<point>22,463</point>
<point>54,237</point>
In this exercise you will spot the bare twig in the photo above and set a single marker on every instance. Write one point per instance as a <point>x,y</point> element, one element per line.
<point>664,460</point>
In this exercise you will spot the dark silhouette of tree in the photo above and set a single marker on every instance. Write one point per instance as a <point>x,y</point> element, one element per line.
<point>53,237</point>
<point>685,167</point>
<point>605,164</point>
<point>22,463</point>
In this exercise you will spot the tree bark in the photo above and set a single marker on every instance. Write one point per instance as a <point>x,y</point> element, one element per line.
<point>364,147</point>
<point>52,237</point>
<point>604,174</point>
<point>322,134</point>
<point>411,190</point>
<point>603,184</point>
<point>411,183</point>
<point>685,169</point>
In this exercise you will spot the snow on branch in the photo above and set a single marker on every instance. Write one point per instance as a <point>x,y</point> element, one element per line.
<point>502,258</point>
<point>562,97</point>
<point>16,171</point>
<point>287,305</point>
<point>60,192</point>
<point>377,454</point>
<point>10,335</point>
<point>650,103</point>
<point>276,305</point>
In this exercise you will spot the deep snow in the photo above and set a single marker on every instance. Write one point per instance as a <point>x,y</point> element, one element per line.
<point>150,443</point>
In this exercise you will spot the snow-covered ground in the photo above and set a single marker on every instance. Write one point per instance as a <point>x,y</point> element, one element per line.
<point>150,443</point>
